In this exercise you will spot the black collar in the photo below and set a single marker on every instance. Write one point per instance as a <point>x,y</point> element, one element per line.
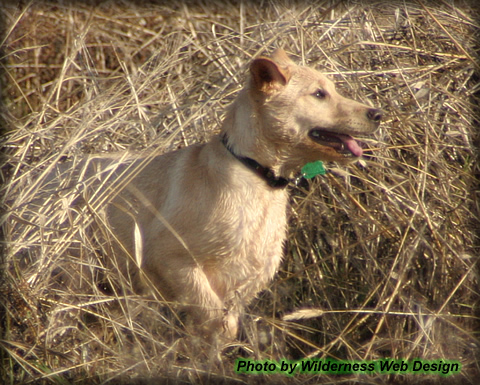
<point>265,173</point>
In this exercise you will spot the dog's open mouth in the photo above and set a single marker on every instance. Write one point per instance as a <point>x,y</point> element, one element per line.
<point>342,143</point>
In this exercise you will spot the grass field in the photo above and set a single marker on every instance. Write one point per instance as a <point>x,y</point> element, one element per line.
<point>382,256</point>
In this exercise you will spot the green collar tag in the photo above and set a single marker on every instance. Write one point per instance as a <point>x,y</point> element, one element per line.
<point>311,170</point>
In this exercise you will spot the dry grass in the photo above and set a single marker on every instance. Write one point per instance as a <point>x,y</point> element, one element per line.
<point>382,259</point>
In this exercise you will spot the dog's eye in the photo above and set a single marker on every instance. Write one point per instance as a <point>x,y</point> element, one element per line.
<point>320,94</point>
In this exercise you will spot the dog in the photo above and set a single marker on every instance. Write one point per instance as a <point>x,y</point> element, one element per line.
<point>205,225</point>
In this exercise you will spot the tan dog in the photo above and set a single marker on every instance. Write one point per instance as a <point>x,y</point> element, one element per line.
<point>207,223</point>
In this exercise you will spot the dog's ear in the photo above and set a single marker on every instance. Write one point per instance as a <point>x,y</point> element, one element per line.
<point>268,76</point>
<point>280,57</point>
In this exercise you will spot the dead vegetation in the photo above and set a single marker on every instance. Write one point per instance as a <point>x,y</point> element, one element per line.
<point>382,259</point>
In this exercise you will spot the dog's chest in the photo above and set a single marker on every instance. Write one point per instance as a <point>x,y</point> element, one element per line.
<point>253,233</point>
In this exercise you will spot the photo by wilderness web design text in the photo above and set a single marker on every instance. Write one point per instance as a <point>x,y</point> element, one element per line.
<point>313,366</point>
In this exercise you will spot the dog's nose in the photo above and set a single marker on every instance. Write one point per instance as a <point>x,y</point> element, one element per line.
<point>375,114</point>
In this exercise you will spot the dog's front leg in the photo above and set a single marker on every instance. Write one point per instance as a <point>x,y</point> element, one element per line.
<point>205,305</point>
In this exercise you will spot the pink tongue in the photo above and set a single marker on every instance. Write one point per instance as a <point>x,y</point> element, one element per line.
<point>351,144</point>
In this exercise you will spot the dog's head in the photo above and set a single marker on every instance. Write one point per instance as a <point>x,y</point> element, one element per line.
<point>303,115</point>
